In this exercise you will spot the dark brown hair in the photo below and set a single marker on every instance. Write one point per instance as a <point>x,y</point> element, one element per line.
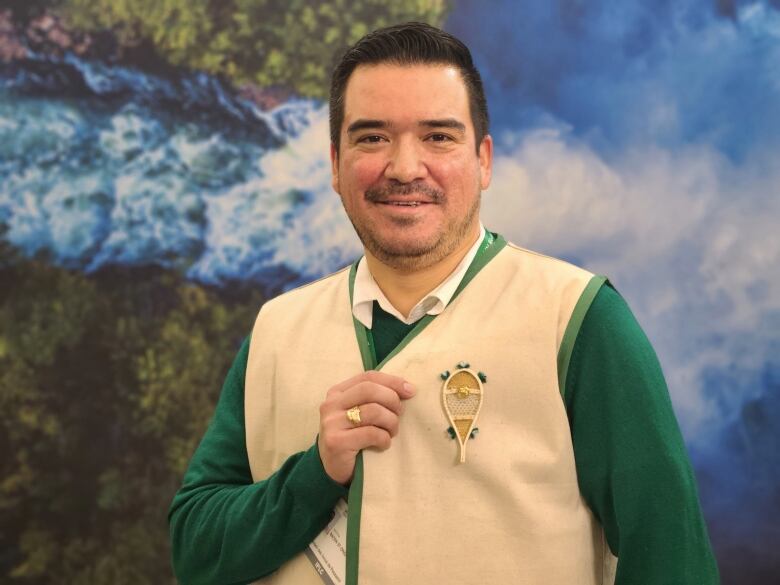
<point>411,43</point>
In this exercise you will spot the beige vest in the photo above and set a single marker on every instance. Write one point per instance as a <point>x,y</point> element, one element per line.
<point>512,513</point>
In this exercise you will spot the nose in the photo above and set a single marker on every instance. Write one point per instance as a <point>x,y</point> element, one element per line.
<point>406,163</point>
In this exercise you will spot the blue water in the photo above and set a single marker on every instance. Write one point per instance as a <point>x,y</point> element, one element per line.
<point>107,165</point>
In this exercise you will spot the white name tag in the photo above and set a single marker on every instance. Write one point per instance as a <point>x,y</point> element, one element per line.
<point>328,551</point>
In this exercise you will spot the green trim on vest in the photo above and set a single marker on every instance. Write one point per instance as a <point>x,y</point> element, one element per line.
<point>355,498</point>
<point>355,501</point>
<point>491,245</point>
<point>573,328</point>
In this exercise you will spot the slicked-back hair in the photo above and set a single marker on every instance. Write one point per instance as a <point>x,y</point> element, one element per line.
<point>412,43</point>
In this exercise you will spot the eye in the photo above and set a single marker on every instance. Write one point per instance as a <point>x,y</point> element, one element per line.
<point>371,139</point>
<point>438,137</point>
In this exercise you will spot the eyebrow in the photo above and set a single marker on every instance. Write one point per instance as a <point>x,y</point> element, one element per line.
<point>367,124</point>
<point>450,123</point>
<point>358,125</point>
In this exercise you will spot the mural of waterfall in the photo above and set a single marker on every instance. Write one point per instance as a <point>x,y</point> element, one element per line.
<point>147,212</point>
<point>135,169</point>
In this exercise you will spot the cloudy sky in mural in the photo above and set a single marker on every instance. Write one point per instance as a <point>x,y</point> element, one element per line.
<point>642,142</point>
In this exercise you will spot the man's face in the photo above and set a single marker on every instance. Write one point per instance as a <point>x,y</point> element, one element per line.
<point>408,171</point>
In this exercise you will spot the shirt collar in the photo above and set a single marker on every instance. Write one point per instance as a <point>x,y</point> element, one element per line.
<point>366,291</point>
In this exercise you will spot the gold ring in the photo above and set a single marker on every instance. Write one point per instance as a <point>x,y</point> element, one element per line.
<point>353,415</point>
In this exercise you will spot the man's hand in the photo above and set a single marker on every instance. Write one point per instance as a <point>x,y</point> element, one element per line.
<point>379,397</point>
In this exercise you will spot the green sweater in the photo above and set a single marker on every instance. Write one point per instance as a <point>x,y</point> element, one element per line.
<point>632,468</point>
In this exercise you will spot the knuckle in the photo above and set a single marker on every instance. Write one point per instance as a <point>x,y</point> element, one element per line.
<point>326,418</point>
<point>329,422</point>
<point>365,393</point>
<point>329,402</point>
<point>380,438</point>
<point>370,413</point>
<point>329,441</point>
<point>393,426</point>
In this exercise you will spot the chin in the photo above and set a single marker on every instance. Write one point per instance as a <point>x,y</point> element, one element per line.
<point>409,243</point>
<point>407,253</point>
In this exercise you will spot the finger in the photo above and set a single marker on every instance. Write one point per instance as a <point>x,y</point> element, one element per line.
<point>403,388</point>
<point>348,383</point>
<point>376,415</point>
<point>364,437</point>
<point>367,393</point>
<point>396,383</point>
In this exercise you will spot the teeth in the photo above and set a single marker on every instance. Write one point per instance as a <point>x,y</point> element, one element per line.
<point>406,203</point>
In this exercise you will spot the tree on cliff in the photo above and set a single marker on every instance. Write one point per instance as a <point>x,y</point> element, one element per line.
<point>288,43</point>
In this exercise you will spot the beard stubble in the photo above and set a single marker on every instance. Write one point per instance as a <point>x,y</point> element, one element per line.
<point>410,257</point>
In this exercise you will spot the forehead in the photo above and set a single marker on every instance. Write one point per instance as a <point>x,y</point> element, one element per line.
<point>406,93</point>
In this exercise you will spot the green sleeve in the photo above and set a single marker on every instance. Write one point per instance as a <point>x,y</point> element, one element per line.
<point>226,529</point>
<point>632,466</point>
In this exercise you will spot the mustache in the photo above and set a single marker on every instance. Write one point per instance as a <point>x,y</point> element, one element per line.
<point>378,194</point>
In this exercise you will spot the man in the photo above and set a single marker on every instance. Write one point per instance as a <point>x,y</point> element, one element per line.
<point>370,385</point>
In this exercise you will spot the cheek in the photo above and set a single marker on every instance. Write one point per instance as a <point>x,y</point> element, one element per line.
<point>362,172</point>
<point>456,175</point>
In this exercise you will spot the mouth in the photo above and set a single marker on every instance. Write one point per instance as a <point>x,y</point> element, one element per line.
<point>404,203</point>
<point>408,196</point>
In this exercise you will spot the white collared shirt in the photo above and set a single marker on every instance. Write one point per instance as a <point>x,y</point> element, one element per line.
<point>366,291</point>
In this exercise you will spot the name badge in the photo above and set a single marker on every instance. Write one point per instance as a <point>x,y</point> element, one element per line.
<point>328,551</point>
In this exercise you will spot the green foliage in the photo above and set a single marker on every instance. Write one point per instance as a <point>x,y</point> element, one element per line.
<point>107,382</point>
<point>289,43</point>
<point>23,11</point>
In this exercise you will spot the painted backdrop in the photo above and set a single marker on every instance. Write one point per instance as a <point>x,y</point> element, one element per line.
<point>163,170</point>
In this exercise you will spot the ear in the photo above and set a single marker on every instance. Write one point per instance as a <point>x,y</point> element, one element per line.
<point>334,168</point>
<point>485,161</point>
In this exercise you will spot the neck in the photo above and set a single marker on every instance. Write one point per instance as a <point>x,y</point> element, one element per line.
<point>405,288</point>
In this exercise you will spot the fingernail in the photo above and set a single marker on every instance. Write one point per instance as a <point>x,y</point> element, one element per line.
<point>409,388</point>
